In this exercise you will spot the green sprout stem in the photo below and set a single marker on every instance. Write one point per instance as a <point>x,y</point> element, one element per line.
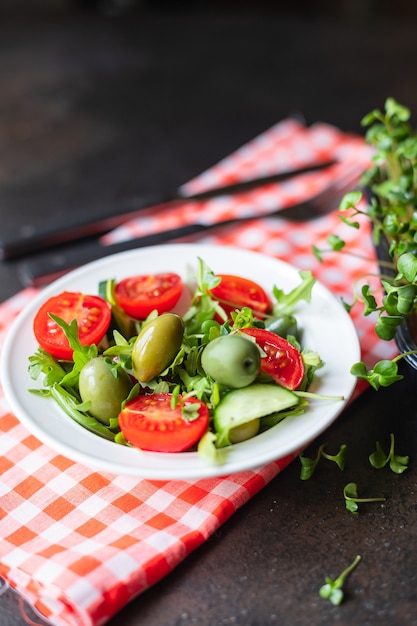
<point>309,465</point>
<point>403,355</point>
<point>352,500</point>
<point>332,589</point>
<point>318,396</point>
<point>397,463</point>
<point>391,210</point>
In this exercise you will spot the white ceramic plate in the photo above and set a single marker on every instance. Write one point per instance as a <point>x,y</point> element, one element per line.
<point>327,329</point>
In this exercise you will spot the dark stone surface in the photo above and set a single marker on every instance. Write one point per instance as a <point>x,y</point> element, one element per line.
<point>94,110</point>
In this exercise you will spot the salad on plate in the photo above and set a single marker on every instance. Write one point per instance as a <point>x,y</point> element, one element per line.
<point>127,367</point>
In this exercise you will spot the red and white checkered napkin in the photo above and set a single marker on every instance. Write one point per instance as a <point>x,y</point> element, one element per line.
<point>79,544</point>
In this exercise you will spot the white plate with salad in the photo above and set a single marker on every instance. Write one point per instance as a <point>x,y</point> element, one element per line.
<point>323,329</point>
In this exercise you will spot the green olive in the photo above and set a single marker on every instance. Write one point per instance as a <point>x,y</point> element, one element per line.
<point>244,431</point>
<point>156,346</point>
<point>283,326</point>
<point>105,391</point>
<point>231,360</point>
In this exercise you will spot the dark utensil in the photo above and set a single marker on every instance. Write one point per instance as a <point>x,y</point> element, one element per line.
<point>42,269</point>
<point>33,238</point>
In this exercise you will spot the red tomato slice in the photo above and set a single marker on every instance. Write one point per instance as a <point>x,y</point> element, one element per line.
<point>93,316</point>
<point>283,362</point>
<point>140,295</point>
<point>148,422</point>
<point>235,292</point>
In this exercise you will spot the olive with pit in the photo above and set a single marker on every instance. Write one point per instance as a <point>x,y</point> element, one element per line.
<point>156,346</point>
<point>231,360</point>
<point>103,388</point>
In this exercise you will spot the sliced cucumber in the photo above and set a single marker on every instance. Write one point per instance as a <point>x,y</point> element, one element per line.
<point>244,405</point>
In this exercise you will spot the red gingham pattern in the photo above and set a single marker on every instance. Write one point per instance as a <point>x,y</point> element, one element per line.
<point>79,544</point>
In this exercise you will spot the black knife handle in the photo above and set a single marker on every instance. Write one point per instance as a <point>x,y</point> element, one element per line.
<point>32,238</point>
<point>42,269</point>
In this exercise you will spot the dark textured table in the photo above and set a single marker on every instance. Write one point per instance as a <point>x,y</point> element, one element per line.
<point>95,110</point>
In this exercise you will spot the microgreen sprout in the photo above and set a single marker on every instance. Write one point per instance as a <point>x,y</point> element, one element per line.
<point>382,374</point>
<point>378,459</point>
<point>309,465</point>
<point>352,500</point>
<point>333,589</point>
<point>391,209</point>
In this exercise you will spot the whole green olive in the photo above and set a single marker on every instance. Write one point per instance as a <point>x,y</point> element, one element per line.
<point>244,431</point>
<point>231,360</point>
<point>106,392</point>
<point>283,326</point>
<point>156,346</point>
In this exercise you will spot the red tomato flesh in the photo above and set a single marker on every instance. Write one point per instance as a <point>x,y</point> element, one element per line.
<point>93,316</point>
<point>148,422</point>
<point>283,362</point>
<point>138,296</point>
<point>235,292</point>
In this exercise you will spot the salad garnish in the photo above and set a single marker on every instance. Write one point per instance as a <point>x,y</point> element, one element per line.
<point>396,462</point>
<point>352,500</point>
<point>309,465</point>
<point>333,589</point>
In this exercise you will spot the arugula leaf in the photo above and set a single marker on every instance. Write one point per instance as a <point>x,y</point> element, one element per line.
<point>274,418</point>
<point>190,412</point>
<point>81,354</point>
<point>43,363</point>
<point>122,349</point>
<point>312,362</point>
<point>286,302</point>
<point>203,306</point>
<point>69,404</point>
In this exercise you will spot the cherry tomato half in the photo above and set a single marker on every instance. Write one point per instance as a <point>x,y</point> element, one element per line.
<point>283,362</point>
<point>235,292</point>
<point>92,313</point>
<point>140,295</point>
<point>150,423</point>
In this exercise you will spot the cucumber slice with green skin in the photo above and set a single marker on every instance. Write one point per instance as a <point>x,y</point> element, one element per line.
<point>244,405</point>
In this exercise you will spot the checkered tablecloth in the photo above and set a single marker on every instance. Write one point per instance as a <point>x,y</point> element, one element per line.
<point>79,544</point>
